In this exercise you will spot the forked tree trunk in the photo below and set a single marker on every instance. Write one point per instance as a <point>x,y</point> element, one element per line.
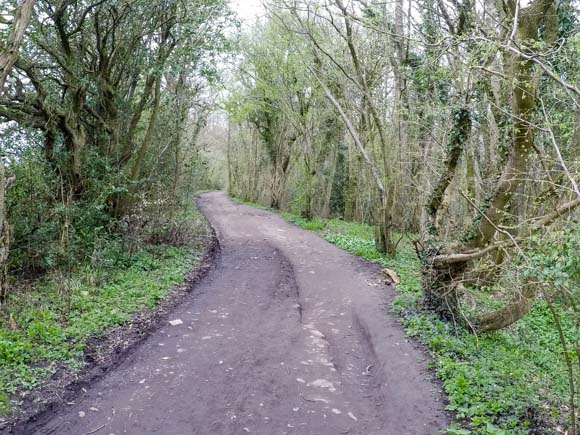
<point>441,271</point>
<point>516,168</point>
<point>523,102</point>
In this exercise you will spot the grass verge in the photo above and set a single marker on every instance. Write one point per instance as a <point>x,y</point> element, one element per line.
<point>508,382</point>
<point>46,325</point>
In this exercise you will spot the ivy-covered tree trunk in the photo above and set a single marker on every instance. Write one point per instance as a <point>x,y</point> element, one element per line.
<point>441,291</point>
<point>440,279</point>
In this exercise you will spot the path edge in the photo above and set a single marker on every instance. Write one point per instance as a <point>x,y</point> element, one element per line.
<point>104,354</point>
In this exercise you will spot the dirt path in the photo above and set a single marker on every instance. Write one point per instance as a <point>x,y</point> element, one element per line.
<point>287,335</point>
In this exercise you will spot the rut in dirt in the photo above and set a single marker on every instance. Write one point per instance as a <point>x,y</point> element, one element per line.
<point>286,335</point>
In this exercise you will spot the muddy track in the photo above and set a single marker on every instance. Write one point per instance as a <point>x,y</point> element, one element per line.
<point>286,335</point>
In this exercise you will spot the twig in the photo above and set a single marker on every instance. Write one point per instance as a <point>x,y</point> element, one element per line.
<point>97,429</point>
<point>498,229</point>
<point>555,145</point>
<point>515,24</point>
<point>570,369</point>
<point>398,241</point>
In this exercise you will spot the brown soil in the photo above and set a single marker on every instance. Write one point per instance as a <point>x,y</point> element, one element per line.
<point>286,335</point>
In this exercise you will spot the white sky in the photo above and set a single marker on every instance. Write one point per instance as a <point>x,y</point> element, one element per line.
<point>248,10</point>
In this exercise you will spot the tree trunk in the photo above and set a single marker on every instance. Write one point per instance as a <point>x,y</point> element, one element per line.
<point>279,181</point>
<point>457,140</point>
<point>441,286</point>
<point>506,316</point>
<point>325,209</point>
<point>351,187</point>
<point>384,230</point>
<point>8,58</point>
<point>229,188</point>
<point>9,54</point>
<point>254,195</point>
<point>4,236</point>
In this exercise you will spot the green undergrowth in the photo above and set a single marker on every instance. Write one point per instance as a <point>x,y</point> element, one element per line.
<point>46,324</point>
<point>509,382</point>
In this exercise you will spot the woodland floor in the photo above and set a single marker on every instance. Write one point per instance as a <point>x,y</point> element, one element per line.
<point>286,335</point>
